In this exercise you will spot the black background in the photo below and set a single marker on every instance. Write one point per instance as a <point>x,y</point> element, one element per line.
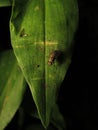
<point>78,98</point>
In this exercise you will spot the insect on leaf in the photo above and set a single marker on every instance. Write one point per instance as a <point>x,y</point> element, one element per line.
<point>38,28</point>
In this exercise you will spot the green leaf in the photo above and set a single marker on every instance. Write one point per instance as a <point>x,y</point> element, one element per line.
<point>58,119</point>
<point>38,28</point>
<point>12,87</point>
<point>4,3</point>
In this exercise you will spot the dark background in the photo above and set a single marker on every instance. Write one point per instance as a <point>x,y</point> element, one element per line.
<point>78,98</point>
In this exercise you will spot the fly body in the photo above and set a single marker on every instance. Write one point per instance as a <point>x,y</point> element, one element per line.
<point>53,55</point>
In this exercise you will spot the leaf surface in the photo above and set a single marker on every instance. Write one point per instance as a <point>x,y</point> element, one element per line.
<point>12,87</point>
<point>38,28</point>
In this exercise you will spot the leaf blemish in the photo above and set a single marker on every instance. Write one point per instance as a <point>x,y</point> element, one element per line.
<point>22,33</point>
<point>51,42</point>
<point>38,66</point>
<point>36,8</point>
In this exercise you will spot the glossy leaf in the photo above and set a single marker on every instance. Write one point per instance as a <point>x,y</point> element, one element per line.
<point>12,87</point>
<point>38,28</point>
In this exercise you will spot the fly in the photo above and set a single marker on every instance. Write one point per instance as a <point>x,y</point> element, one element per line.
<point>53,55</point>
